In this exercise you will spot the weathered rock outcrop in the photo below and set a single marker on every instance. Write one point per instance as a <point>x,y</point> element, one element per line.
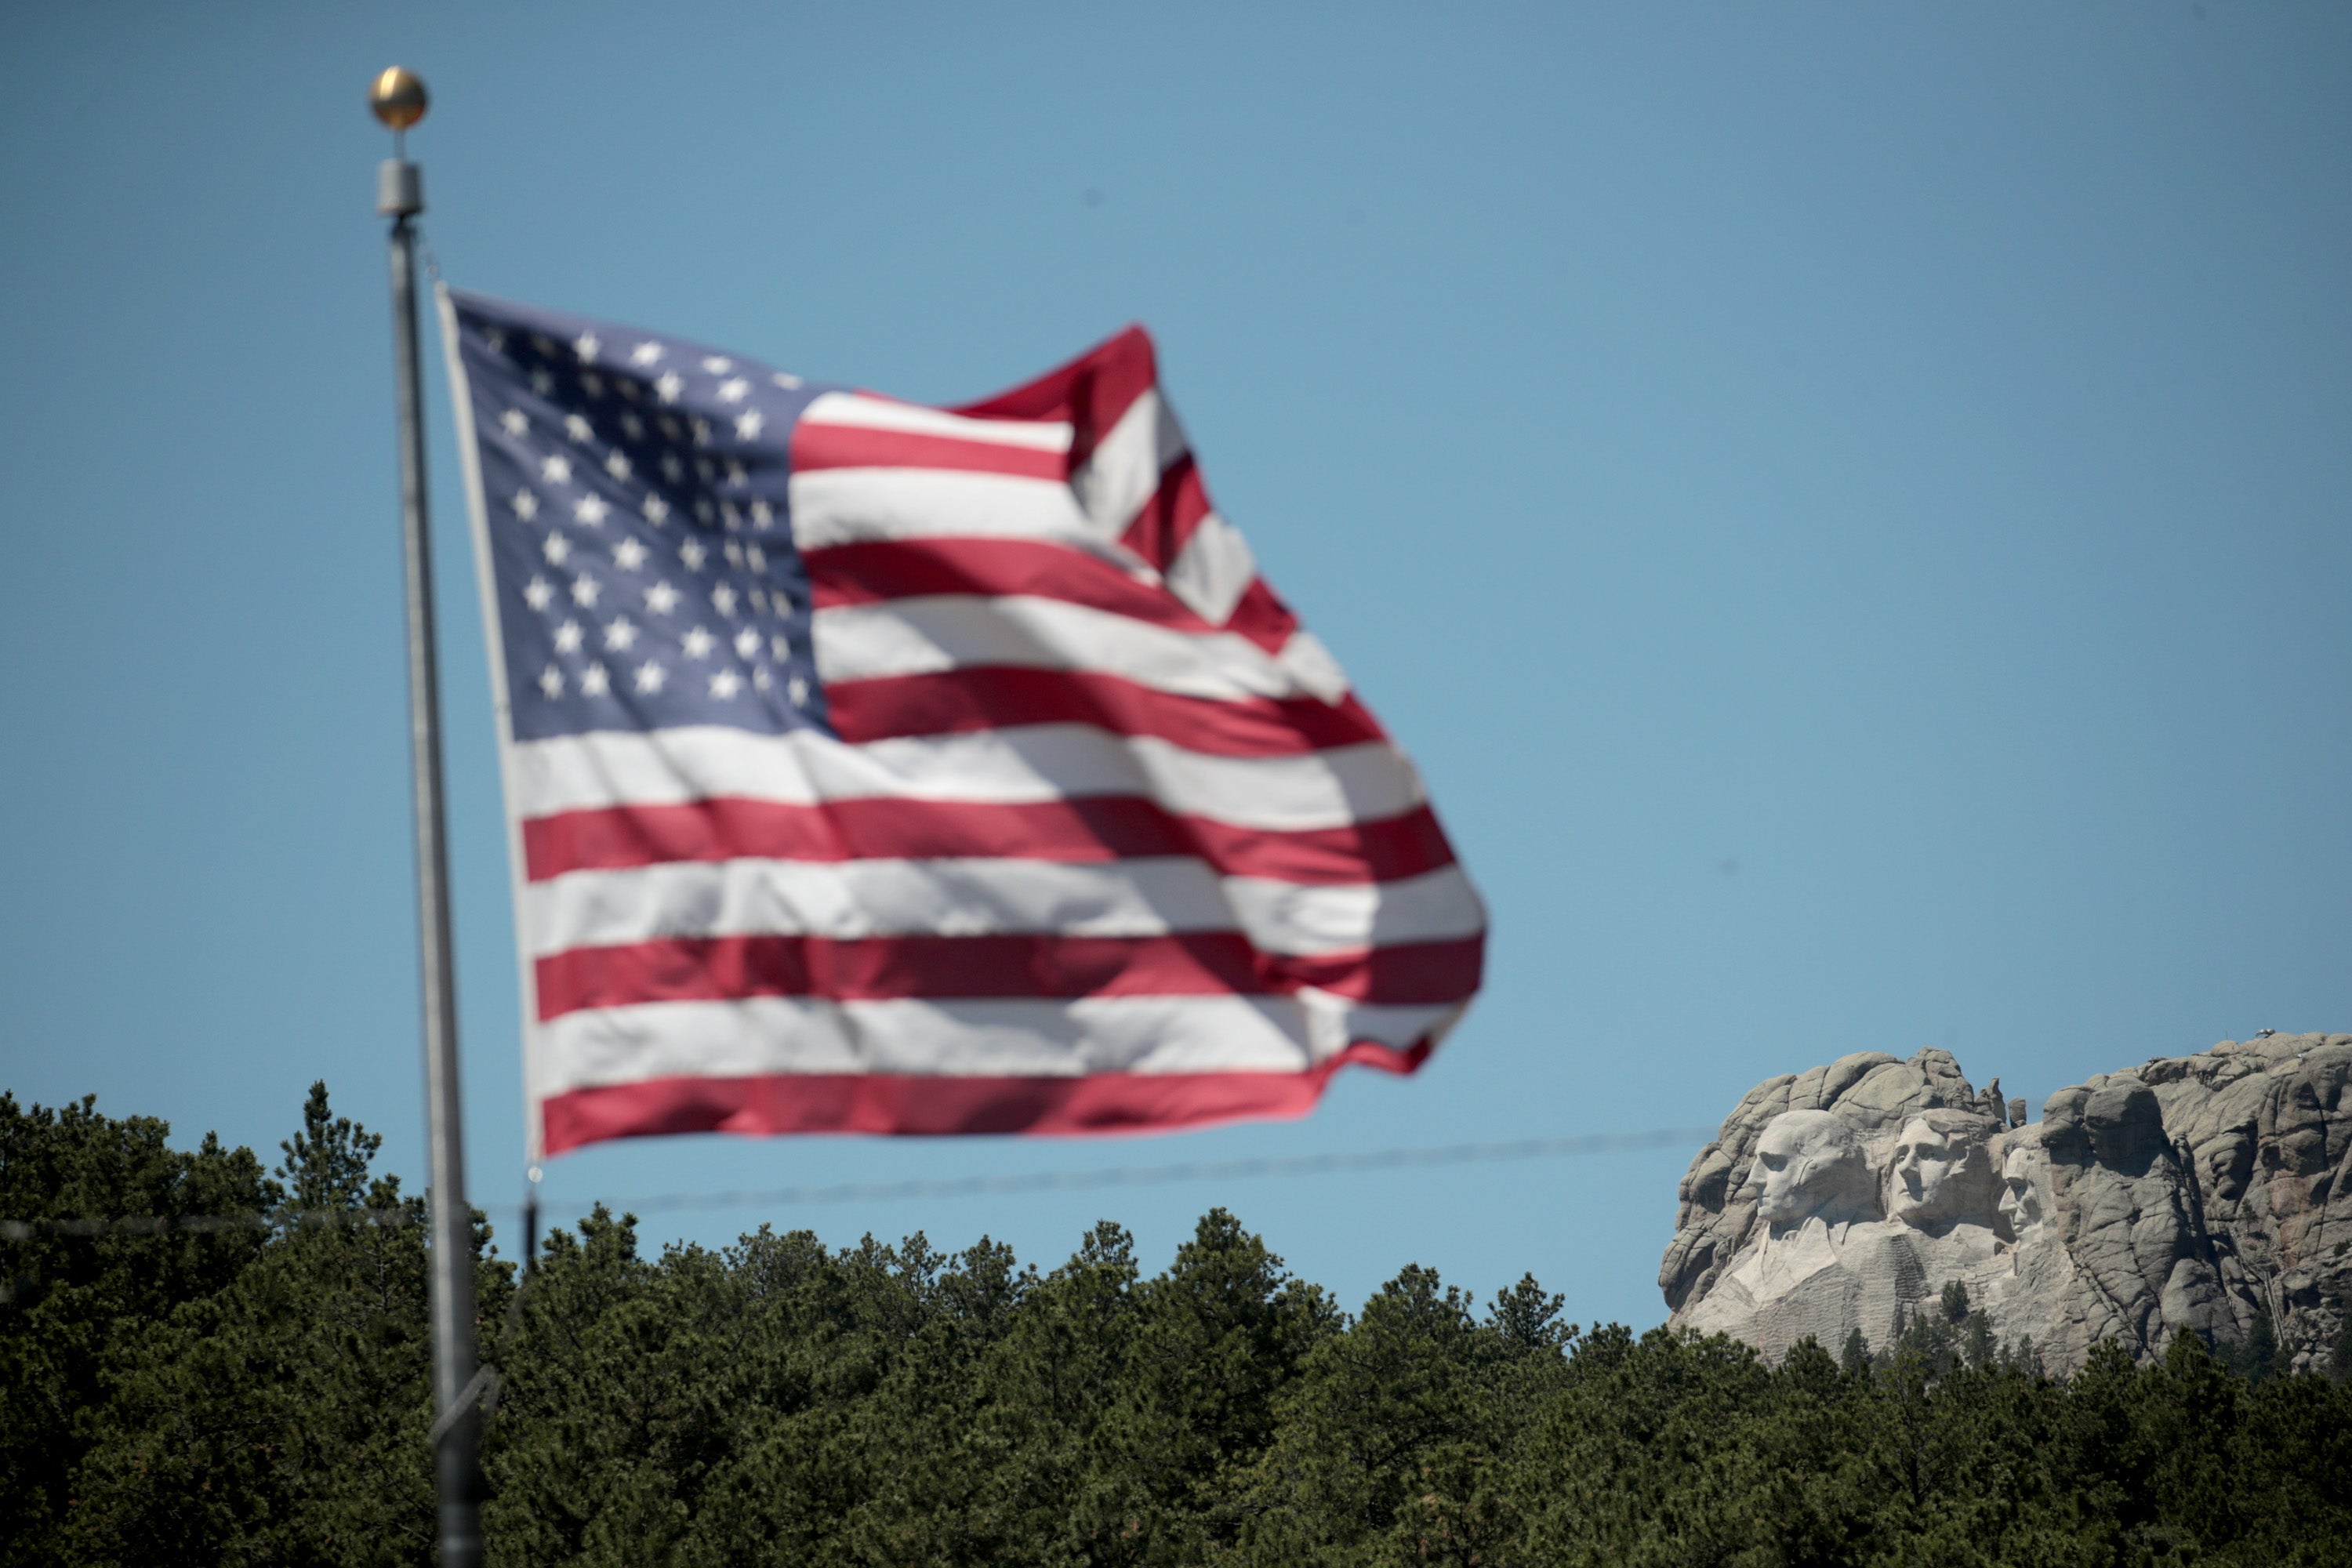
<point>2208,1193</point>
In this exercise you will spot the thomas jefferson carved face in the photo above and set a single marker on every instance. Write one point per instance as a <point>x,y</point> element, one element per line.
<point>1941,1174</point>
<point>1807,1165</point>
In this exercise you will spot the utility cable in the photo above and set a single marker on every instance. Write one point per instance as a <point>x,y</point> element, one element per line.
<point>1174,1173</point>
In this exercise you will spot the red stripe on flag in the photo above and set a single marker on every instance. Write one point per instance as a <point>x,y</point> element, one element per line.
<point>871,572</point>
<point>1084,829</point>
<point>1260,615</point>
<point>1167,521</point>
<point>820,446</point>
<point>871,969</point>
<point>989,697</point>
<point>901,1104</point>
<point>1090,392</point>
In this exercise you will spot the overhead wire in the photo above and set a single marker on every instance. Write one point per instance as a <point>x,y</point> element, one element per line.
<point>1099,1178</point>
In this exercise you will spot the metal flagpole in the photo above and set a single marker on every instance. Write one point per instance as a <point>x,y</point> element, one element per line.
<point>398,100</point>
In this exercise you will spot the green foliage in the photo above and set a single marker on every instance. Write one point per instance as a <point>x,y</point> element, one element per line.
<point>259,1394</point>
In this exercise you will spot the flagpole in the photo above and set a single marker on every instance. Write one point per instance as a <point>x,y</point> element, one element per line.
<point>398,100</point>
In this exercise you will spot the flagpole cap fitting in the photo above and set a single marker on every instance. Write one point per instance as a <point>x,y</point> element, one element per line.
<point>399,188</point>
<point>398,98</point>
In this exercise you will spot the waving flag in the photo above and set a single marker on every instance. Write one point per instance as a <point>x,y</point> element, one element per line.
<point>876,767</point>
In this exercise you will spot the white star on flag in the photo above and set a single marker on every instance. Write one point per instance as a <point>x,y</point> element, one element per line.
<point>756,556</point>
<point>672,469</point>
<point>592,384</point>
<point>515,423</point>
<point>586,345</point>
<point>538,593</point>
<point>722,599</point>
<point>747,425</point>
<point>577,427</point>
<point>557,549</point>
<point>567,637</point>
<point>591,508</point>
<point>718,365</point>
<point>762,678</point>
<point>650,677</point>
<point>670,384</point>
<point>556,469</point>
<point>786,380</point>
<point>632,426</point>
<point>734,389</point>
<point>762,514</point>
<point>616,463</point>
<point>594,681</point>
<point>699,643</point>
<point>724,683</point>
<point>693,554</point>
<point>628,555</point>
<point>661,598</point>
<point>645,353</point>
<point>551,681</point>
<point>747,643</point>
<point>525,504</point>
<point>797,689</point>
<point>656,510</point>
<point>620,636</point>
<point>585,590</point>
<point>779,648</point>
<point>542,384</point>
<point>734,554</point>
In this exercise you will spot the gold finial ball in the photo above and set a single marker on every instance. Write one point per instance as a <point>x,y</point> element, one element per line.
<point>398,98</point>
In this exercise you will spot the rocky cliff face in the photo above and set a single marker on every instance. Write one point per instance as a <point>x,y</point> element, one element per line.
<point>2209,1193</point>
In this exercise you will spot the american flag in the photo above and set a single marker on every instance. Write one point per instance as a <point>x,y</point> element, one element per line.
<point>878,767</point>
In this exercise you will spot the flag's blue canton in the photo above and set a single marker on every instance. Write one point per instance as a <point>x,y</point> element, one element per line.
<point>636,489</point>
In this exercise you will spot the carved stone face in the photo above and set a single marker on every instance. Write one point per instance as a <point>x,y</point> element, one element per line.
<point>2022,1202</point>
<point>1937,1177</point>
<point>1809,1164</point>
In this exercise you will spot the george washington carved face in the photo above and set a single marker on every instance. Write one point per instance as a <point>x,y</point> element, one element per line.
<point>1808,1164</point>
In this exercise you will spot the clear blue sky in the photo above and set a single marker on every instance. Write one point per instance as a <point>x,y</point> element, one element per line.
<point>1847,504</point>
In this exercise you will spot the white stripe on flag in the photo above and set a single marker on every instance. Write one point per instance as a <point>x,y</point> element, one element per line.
<point>849,899</point>
<point>853,506</point>
<point>1212,570</point>
<point>1332,788</point>
<point>942,632</point>
<point>869,413</point>
<point>1123,470</point>
<point>981,1038</point>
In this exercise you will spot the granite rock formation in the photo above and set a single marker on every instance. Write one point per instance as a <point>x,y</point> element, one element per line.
<point>2208,1193</point>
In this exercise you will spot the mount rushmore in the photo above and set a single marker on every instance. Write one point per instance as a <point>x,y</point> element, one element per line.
<point>2209,1192</point>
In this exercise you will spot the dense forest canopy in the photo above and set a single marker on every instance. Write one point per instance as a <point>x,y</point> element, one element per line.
<point>259,1394</point>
